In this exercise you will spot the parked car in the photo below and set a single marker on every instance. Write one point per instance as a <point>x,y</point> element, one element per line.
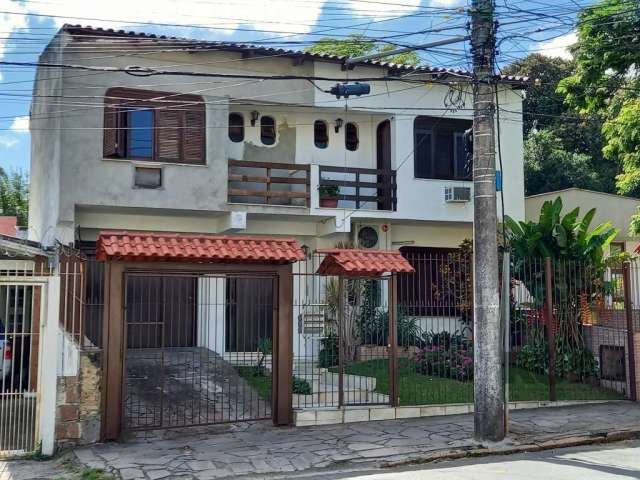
<point>6,357</point>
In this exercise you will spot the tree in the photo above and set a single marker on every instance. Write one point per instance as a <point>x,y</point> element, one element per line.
<point>543,104</point>
<point>563,148</point>
<point>607,80</point>
<point>548,166</point>
<point>14,195</point>
<point>356,45</point>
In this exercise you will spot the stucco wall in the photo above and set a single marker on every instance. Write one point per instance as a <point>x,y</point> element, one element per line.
<point>44,175</point>
<point>86,181</point>
<point>615,209</point>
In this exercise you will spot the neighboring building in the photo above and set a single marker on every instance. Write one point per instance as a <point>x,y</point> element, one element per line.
<point>247,158</point>
<point>611,208</point>
<point>9,226</point>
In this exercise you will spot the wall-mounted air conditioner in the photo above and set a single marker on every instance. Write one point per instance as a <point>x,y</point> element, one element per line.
<point>457,194</point>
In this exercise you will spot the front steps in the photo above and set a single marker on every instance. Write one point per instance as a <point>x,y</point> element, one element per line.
<point>357,389</point>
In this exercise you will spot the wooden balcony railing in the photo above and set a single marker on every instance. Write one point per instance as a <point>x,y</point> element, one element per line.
<point>363,187</point>
<point>269,183</point>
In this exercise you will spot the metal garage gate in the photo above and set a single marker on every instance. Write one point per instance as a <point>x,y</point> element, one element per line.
<point>198,349</point>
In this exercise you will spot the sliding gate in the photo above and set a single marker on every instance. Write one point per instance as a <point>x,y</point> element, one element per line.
<point>198,349</point>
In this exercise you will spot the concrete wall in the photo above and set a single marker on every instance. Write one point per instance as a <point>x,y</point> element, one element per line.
<point>45,124</point>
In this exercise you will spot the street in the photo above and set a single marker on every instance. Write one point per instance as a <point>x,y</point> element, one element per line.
<point>615,461</point>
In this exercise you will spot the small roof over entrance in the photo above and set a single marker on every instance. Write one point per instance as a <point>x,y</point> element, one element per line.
<point>161,246</point>
<point>362,262</point>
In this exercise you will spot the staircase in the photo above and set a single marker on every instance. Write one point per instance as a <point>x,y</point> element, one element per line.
<point>358,389</point>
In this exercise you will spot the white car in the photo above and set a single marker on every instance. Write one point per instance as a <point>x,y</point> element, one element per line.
<point>6,357</point>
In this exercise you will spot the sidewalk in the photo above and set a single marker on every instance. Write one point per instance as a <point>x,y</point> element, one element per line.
<point>259,449</point>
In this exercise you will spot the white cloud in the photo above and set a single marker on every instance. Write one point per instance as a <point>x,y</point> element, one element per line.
<point>558,47</point>
<point>383,10</point>
<point>277,15</point>
<point>20,124</point>
<point>447,3</point>
<point>8,142</point>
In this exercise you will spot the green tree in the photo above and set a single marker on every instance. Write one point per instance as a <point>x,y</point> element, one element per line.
<point>548,166</point>
<point>562,148</point>
<point>14,195</point>
<point>542,104</point>
<point>606,82</point>
<point>356,45</point>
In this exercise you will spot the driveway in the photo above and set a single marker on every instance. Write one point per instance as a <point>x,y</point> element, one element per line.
<point>174,387</point>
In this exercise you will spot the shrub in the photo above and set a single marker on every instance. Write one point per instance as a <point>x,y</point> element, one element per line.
<point>573,362</point>
<point>451,358</point>
<point>301,386</point>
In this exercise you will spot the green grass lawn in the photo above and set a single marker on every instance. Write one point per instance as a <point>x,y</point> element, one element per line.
<point>417,389</point>
<point>260,383</point>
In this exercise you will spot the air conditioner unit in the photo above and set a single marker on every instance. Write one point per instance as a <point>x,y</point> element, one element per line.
<point>457,194</point>
<point>366,236</point>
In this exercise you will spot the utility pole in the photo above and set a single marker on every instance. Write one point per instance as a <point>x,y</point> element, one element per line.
<point>488,345</point>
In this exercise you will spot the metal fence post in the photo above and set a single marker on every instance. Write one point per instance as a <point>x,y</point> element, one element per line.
<point>628,310</point>
<point>551,341</point>
<point>341,339</point>
<point>393,340</point>
<point>506,325</point>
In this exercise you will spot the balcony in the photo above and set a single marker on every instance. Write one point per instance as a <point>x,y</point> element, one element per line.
<point>359,188</point>
<point>269,183</point>
<point>291,184</point>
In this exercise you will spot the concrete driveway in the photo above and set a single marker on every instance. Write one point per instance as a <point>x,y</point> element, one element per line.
<point>175,387</point>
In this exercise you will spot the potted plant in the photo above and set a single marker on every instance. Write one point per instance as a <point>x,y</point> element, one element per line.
<point>329,196</point>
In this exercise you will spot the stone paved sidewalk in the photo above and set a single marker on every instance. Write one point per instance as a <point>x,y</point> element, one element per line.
<point>259,449</point>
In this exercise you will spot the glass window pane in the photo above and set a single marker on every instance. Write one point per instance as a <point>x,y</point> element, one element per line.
<point>351,136</point>
<point>320,137</point>
<point>444,155</point>
<point>422,155</point>
<point>140,138</point>
<point>236,127</point>
<point>267,130</point>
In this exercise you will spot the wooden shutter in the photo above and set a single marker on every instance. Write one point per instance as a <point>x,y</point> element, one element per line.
<point>110,130</point>
<point>168,134</point>
<point>194,136</point>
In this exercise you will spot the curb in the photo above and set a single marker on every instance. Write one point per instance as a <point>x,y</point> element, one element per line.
<point>535,446</point>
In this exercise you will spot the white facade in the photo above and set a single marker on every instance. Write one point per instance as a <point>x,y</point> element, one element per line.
<point>76,192</point>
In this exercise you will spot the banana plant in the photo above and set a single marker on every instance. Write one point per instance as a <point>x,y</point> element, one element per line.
<point>577,252</point>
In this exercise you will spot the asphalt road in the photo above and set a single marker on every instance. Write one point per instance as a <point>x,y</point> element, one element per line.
<point>614,461</point>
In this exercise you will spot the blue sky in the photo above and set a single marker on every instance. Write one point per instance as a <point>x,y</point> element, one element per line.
<point>28,25</point>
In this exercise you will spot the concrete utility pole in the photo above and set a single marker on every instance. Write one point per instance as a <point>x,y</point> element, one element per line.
<point>488,367</point>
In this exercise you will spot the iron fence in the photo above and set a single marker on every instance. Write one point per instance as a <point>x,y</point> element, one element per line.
<point>585,316</point>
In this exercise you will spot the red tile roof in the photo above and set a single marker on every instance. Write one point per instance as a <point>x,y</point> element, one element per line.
<point>160,246</point>
<point>8,226</point>
<point>362,262</point>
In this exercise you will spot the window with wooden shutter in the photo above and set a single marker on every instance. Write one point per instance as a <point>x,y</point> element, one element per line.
<point>110,129</point>
<point>154,126</point>
<point>169,135</point>
<point>194,138</point>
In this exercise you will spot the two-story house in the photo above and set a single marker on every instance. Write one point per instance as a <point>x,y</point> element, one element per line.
<point>245,140</point>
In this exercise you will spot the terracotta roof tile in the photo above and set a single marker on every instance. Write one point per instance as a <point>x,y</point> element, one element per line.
<point>160,246</point>
<point>362,262</point>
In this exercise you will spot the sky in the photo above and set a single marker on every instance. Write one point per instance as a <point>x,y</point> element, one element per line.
<point>544,26</point>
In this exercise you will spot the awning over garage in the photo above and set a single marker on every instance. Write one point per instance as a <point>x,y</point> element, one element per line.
<point>162,246</point>
<point>362,262</point>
